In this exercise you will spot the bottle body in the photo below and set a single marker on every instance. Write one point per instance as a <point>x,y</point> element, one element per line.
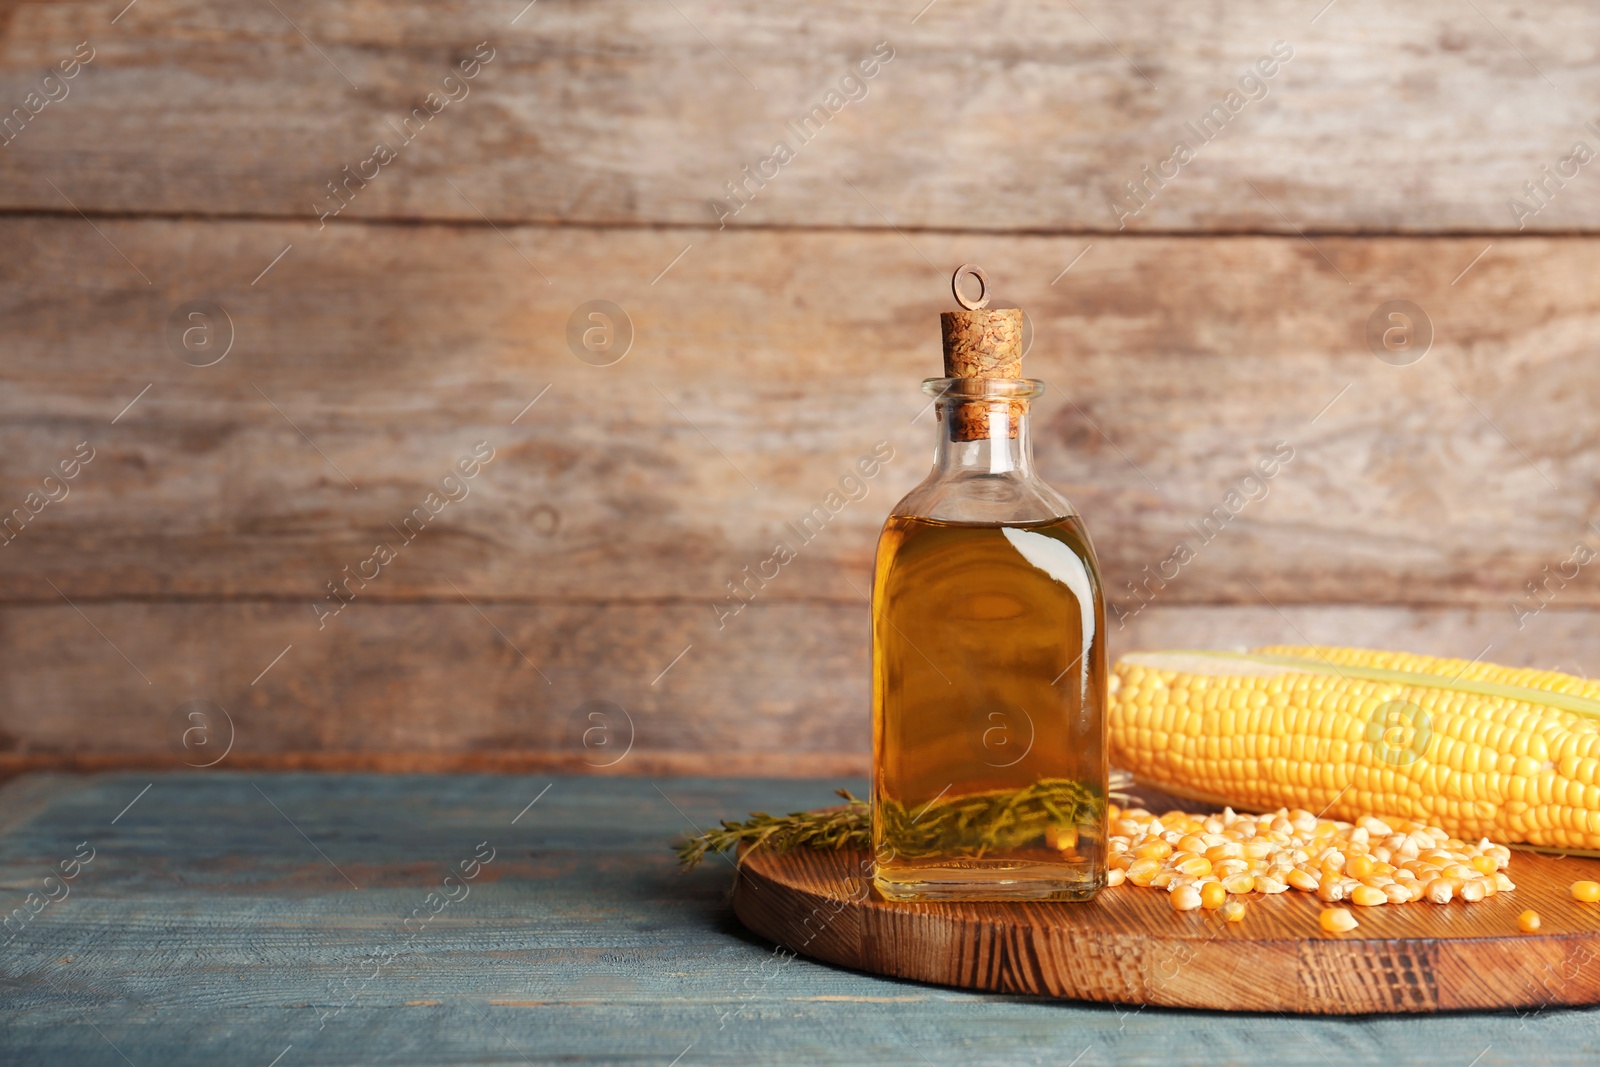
<point>989,673</point>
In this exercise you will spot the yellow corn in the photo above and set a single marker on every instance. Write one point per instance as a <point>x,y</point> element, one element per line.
<point>1465,750</point>
<point>1368,897</point>
<point>1240,883</point>
<point>1302,880</point>
<point>1337,920</point>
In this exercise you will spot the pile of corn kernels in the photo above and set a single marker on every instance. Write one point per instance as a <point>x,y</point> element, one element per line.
<point>1208,861</point>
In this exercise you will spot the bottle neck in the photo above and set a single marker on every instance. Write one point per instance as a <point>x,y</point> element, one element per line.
<point>983,437</point>
<point>983,456</point>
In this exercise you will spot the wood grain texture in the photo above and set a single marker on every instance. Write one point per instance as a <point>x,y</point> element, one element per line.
<point>588,685</point>
<point>782,690</point>
<point>1413,119</point>
<point>371,354</point>
<point>382,354</point>
<point>1128,946</point>
<point>207,930</point>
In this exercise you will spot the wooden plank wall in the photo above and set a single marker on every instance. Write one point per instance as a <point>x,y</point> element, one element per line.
<point>567,604</point>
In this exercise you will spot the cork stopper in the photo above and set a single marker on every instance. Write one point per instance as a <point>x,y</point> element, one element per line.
<point>984,344</point>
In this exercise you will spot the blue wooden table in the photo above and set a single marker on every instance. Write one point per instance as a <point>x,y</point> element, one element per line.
<point>292,919</point>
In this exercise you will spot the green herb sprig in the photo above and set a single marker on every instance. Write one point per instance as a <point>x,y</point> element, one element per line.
<point>976,824</point>
<point>847,827</point>
<point>970,825</point>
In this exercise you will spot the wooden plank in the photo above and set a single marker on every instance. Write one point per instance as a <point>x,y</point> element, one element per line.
<point>517,761</point>
<point>783,689</point>
<point>1129,946</point>
<point>207,930</point>
<point>626,112</point>
<point>764,366</point>
<point>590,685</point>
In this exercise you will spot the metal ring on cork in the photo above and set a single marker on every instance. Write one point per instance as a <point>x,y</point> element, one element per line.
<point>983,286</point>
<point>983,361</point>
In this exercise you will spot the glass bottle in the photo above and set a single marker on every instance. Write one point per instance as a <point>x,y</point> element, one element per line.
<point>988,653</point>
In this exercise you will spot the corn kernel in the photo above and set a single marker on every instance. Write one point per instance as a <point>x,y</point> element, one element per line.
<point>1337,920</point>
<point>1213,896</point>
<point>1233,911</point>
<point>1587,892</point>
<point>1226,851</point>
<point>1528,921</point>
<point>1240,883</point>
<point>1185,898</point>
<point>1116,877</point>
<point>1359,866</point>
<point>1302,879</point>
<point>1258,848</point>
<point>1143,870</point>
<point>1368,897</point>
<point>1061,838</point>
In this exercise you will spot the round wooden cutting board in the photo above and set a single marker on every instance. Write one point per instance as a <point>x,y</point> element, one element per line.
<point>1129,946</point>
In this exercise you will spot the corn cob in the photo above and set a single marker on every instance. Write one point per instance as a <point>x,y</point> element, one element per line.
<point>1476,749</point>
